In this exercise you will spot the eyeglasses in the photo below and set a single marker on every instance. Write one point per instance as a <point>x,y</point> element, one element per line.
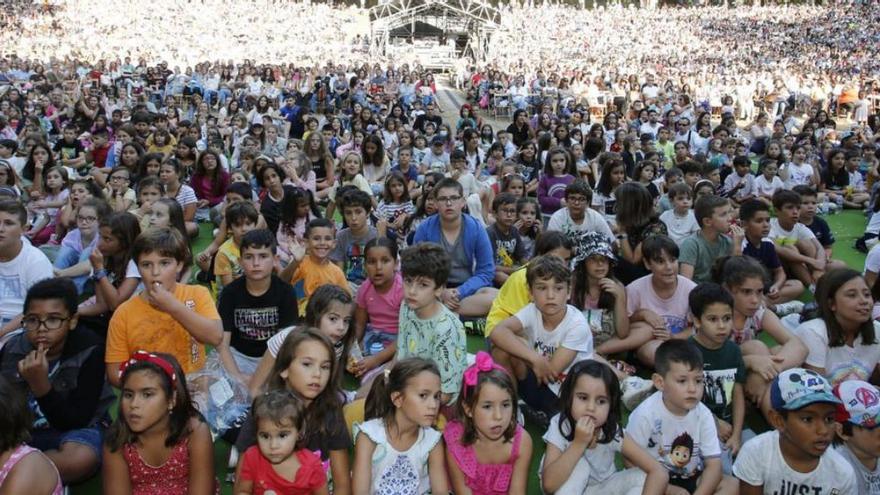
<point>119,177</point>
<point>80,218</point>
<point>448,200</point>
<point>508,211</point>
<point>575,200</point>
<point>33,323</point>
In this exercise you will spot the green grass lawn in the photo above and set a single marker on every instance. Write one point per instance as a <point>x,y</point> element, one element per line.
<point>846,226</point>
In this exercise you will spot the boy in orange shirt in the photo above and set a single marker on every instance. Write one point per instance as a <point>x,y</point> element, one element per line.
<point>167,316</point>
<point>311,266</point>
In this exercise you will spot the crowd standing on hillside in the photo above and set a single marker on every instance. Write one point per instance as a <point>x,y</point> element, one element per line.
<point>637,238</point>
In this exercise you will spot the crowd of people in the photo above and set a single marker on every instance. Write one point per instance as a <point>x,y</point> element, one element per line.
<point>185,33</point>
<point>651,257</point>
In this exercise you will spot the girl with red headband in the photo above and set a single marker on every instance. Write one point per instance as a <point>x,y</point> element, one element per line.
<point>159,444</point>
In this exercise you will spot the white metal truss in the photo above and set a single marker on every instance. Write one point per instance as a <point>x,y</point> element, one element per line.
<point>476,18</point>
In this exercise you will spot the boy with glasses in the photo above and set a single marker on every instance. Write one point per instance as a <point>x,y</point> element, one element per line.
<point>59,366</point>
<point>577,216</point>
<point>469,290</point>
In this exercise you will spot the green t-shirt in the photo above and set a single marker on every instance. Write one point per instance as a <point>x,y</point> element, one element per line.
<point>701,254</point>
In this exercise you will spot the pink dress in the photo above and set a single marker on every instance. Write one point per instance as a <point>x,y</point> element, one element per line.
<point>482,479</point>
<point>171,478</point>
<point>18,454</point>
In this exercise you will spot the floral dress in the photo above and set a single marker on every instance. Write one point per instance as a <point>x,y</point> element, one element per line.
<point>395,472</point>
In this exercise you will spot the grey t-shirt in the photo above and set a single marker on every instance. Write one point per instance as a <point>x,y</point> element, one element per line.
<point>867,482</point>
<point>460,270</point>
<point>350,250</point>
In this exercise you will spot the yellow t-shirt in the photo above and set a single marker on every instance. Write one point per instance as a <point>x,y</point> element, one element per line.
<point>513,296</point>
<point>228,261</point>
<point>136,325</point>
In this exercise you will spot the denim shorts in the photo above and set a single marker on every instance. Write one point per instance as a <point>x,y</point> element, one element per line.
<point>51,439</point>
<point>373,335</point>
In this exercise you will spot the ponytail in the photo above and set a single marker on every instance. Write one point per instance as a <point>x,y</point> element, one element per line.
<point>379,403</point>
<point>733,271</point>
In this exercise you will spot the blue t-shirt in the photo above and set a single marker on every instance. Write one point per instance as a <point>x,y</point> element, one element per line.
<point>822,231</point>
<point>765,252</point>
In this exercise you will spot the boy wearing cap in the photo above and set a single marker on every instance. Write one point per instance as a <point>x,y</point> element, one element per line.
<point>794,458</point>
<point>858,435</point>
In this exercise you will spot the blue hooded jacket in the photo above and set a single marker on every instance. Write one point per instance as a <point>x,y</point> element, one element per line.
<point>477,247</point>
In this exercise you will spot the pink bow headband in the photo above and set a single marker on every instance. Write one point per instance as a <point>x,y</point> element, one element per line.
<point>483,363</point>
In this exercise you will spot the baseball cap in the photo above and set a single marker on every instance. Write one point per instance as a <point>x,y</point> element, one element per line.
<point>797,388</point>
<point>860,403</point>
<point>438,140</point>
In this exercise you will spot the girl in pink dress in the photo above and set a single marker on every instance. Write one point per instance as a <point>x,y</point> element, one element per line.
<point>159,444</point>
<point>486,449</point>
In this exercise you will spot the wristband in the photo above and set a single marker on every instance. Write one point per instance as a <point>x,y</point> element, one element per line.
<point>99,274</point>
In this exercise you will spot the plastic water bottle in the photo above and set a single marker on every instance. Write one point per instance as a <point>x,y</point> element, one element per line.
<point>355,355</point>
<point>376,348</point>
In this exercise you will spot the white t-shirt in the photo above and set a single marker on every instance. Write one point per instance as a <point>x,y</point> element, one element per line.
<point>641,295</point>
<point>873,224</point>
<point>782,237</point>
<point>798,174</point>
<point>572,332</point>
<point>734,180</point>
<point>593,467</point>
<point>605,205</point>
<point>655,429</point>
<point>593,222</point>
<point>856,181</point>
<point>760,463</point>
<point>767,188</point>
<point>679,227</point>
<point>840,363</point>
<point>17,276</point>
<point>649,128</point>
<point>867,482</point>
<point>872,262</point>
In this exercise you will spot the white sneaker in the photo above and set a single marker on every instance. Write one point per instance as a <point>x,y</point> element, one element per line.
<point>233,457</point>
<point>788,308</point>
<point>634,390</point>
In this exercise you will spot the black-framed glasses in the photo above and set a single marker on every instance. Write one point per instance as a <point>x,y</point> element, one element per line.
<point>33,323</point>
<point>449,200</point>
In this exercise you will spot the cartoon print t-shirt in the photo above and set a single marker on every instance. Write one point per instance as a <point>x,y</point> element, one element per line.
<point>680,443</point>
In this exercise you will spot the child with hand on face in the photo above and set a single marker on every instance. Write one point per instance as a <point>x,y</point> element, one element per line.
<point>167,316</point>
<point>584,438</point>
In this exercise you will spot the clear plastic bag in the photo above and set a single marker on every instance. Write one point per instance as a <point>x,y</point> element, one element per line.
<point>222,400</point>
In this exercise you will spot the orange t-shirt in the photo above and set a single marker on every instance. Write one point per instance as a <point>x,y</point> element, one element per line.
<point>136,325</point>
<point>310,275</point>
